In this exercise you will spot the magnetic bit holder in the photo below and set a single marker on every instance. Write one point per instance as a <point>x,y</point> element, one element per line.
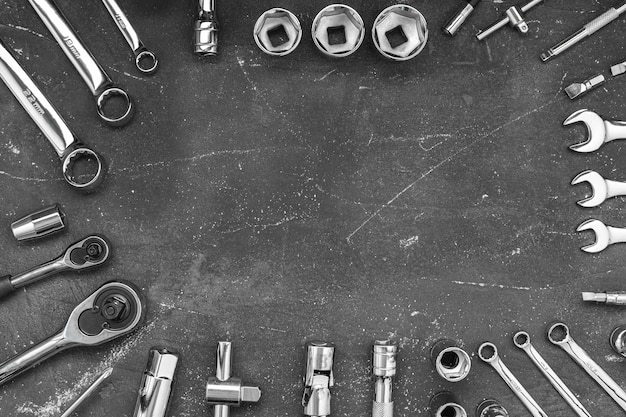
<point>514,17</point>
<point>225,391</point>
<point>318,379</point>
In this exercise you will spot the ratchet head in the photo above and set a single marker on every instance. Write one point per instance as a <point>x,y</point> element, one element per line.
<point>120,115</point>
<point>603,239</point>
<point>115,309</point>
<point>83,168</point>
<point>599,189</point>
<point>86,253</point>
<point>488,352</point>
<point>558,334</point>
<point>596,130</point>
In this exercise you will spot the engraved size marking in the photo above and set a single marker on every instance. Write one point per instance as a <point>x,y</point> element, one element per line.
<point>33,101</point>
<point>120,21</point>
<point>70,44</point>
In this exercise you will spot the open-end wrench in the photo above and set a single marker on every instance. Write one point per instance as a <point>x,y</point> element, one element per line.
<point>522,341</point>
<point>87,253</point>
<point>145,60</point>
<point>488,353</point>
<point>94,75</point>
<point>605,235</point>
<point>54,128</point>
<point>601,189</point>
<point>115,309</point>
<point>559,335</point>
<point>599,131</point>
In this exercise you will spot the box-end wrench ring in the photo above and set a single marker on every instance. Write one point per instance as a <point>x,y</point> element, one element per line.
<point>54,128</point>
<point>113,310</point>
<point>488,353</point>
<point>99,83</point>
<point>145,60</point>
<point>522,341</point>
<point>559,335</point>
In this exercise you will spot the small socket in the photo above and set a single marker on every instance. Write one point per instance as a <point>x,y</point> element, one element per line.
<point>451,362</point>
<point>400,32</point>
<point>277,32</point>
<point>445,404</point>
<point>338,30</point>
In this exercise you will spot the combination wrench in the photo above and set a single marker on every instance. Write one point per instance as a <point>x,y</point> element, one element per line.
<point>101,86</point>
<point>113,310</point>
<point>54,128</point>
<point>559,335</point>
<point>87,253</point>
<point>488,353</point>
<point>145,60</point>
<point>522,341</point>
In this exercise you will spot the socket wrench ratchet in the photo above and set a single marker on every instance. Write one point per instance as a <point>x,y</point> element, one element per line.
<point>605,235</point>
<point>54,128</point>
<point>601,189</point>
<point>145,60</point>
<point>522,341</point>
<point>488,353</point>
<point>600,131</point>
<point>86,253</point>
<point>101,86</point>
<point>559,335</point>
<point>113,310</point>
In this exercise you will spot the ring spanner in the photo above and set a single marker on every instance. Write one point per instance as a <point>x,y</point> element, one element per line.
<point>145,60</point>
<point>559,335</point>
<point>54,128</point>
<point>601,189</point>
<point>522,341</point>
<point>97,80</point>
<point>600,131</point>
<point>115,309</point>
<point>605,235</point>
<point>489,353</point>
<point>86,253</point>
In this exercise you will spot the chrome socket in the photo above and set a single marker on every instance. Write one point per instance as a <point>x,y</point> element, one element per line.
<point>618,340</point>
<point>445,404</point>
<point>39,224</point>
<point>205,29</point>
<point>156,385</point>
<point>400,32</point>
<point>451,362</point>
<point>318,379</point>
<point>277,32</point>
<point>491,408</point>
<point>338,30</point>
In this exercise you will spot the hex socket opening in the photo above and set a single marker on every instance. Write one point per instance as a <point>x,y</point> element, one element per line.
<point>453,364</point>
<point>451,410</point>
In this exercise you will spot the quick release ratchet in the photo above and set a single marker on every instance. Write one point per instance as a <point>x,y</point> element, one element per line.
<point>54,128</point>
<point>114,310</point>
<point>97,80</point>
<point>87,253</point>
<point>145,60</point>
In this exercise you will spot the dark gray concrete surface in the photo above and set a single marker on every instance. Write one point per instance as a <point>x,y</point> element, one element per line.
<point>273,201</point>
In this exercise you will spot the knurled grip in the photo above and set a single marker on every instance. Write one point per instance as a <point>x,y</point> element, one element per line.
<point>602,20</point>
<point>382,409</point>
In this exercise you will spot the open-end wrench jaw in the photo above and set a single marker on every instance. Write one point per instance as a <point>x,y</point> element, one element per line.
<point>602,235</point>
<point>596,130</point>
<point>599,188</point>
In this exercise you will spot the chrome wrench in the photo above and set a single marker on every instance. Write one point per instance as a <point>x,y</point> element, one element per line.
<point>559,335</point>
<point>87,253</point>
<point>54,128</point>
<point>522,341</point>
<point>114,310</point>
<point>145,60</point>
<point>488,353</point>
<point>97,80</point>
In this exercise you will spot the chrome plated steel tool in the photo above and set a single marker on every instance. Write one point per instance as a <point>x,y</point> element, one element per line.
<point>488,353</point>
<point>384,360</point>
<point>68,148</point>
<point>145,60</point>
<point>599,131</point>
<point>318,379</point>
<point>491,408</point>
<point>605,235</point>
<point>559,335</point>
<point>611,298</point>
<point>514,17</point>
<point>451,362</point>
<point>205,29</point>
<point>445,404</point>
<point>112,311</point>
<point>576,90</point>
<point>99,83</point>
<point>87,253</point>
<point>601,189</point>
<point>157,383</point>
<point>522,340</point>
<point>39,224</point>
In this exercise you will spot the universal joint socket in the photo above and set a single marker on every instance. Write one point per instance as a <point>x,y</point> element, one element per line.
<point>205,29</point>
<point>156,383</point>
<point>318,379</point>
<point>384,355</point>
<point>223,390</point>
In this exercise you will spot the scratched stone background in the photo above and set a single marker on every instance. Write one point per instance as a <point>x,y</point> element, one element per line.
<point>273,201</point>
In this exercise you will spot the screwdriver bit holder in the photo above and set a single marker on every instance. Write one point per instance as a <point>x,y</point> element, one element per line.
<point>225,391</point>
<point>514,17</point>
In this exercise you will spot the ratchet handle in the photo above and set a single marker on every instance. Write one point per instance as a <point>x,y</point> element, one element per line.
<point>6,287</point>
